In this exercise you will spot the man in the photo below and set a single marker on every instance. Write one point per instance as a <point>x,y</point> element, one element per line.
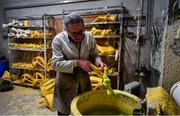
<point>73,51</point>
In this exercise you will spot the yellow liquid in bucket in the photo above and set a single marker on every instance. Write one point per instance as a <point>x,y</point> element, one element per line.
<point>104,110</point>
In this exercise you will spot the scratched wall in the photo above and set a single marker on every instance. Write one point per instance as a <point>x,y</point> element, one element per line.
<point>171,62</point>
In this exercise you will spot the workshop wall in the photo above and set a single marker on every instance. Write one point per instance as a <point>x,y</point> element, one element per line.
<point>164,59</point>
<point>157,29</point>
<point>171,59</point>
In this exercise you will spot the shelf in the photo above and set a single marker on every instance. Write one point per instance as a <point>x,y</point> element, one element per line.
<point>101,37</point>
<point>36,38</point>
<point>31,27</point>
<point>101,23</point>
<point>99,10</point>
<point>17,82</point>
<point>115,74</point>
<point>27,69</point>
<point>28,49</point>
<point>132,22</point>
<point>37,43</point>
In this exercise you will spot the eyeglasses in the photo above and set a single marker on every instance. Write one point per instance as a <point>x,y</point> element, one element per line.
<point>80,33</point>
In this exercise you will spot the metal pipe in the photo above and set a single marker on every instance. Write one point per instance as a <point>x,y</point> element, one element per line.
<point>120,84</point>
<point>45,44</point>
<point>149,23</point>
<point>139,29</point>
<point>49,4</point>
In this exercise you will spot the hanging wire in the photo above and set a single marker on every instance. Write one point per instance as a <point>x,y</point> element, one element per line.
<point>137,3</point>
<point>174,5</point>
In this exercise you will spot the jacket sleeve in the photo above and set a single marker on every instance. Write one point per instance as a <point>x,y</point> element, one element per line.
<point>94,52</point>
<point>59,63</point>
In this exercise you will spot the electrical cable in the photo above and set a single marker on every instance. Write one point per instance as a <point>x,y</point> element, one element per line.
<point>174,5</point>
<point>137,3</point>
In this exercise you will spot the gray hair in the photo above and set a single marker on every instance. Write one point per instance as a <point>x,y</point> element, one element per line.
<point>72,18</point>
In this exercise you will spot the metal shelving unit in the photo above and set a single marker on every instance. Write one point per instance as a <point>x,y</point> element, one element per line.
<point>115,10</point>
<point>29,53</point>
<point>125,21</point>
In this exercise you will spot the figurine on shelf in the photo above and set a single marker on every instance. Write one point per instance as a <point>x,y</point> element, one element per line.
<point>14,23</point>
<point>19,33</point>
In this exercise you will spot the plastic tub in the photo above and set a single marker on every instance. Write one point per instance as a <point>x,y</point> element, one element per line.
<point>175,92</point>
<point>99,103</point>
<point>4,65</point>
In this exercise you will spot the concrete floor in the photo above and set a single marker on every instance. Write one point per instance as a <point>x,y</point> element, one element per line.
<point>22,101</point>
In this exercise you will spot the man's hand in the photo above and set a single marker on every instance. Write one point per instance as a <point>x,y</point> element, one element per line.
<point>85,65</point>
<point>100,64</point>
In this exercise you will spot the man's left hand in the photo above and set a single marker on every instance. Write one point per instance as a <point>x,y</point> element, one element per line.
<point>100,64</point>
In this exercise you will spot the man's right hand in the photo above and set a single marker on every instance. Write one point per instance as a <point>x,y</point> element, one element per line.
<point>84,64</point>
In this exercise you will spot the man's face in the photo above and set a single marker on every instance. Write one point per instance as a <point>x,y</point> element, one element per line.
<point>76,31</point>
